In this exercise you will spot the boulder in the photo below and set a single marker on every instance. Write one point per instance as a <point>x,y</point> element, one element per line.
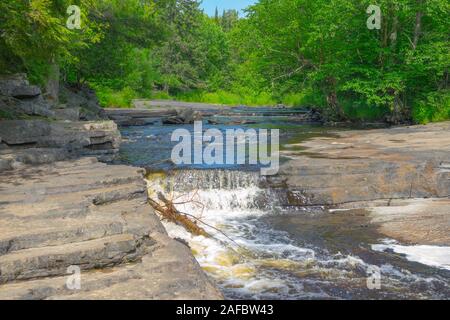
<point>25,92</point>
<point>18,98</point>
<point>71,114</point>
<point>172,121</point>
<point>184,116</point>
<point>8,83</point>
<point>85,100</point>
<point>189,115</point>
<point>17,86</point>
<point>35,107</point>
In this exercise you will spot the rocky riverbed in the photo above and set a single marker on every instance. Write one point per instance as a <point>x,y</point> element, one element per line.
<point>343,201</point>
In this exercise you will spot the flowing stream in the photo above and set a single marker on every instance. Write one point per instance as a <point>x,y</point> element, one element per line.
<point>261,250</point>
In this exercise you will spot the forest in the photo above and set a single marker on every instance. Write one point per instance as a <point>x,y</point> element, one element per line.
<point>306,53</point>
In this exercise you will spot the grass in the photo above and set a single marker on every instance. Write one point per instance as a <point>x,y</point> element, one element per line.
<point>305,98</point>
<point>228,98</point>
<point>109,98</point>
<point>432,108</point>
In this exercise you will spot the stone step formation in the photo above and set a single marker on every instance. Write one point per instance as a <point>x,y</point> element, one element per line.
<point>60,207</point>
<point>95,216</point>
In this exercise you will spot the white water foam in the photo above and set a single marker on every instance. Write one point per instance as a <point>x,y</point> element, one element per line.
<point>236,264</point>
<point>434,256</point>
<point>260,262</point>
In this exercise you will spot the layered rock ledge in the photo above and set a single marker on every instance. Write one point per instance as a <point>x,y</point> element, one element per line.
<point>21,100</point>
<point>61,208</point>
<point>94,216</point>
<point>42,141</point>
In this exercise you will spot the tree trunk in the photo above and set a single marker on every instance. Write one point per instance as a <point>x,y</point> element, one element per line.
<point>418,24</point>
<point>394,33</point>
<point>52,85</point>
<point>399,111</point>
<point>332,99</point>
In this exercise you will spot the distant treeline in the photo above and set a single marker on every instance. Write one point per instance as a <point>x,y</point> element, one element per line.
<point>317,53</point>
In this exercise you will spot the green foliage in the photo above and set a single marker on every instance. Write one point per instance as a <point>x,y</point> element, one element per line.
<point>161,95</point>
<point>316,53</point>
<point>356,110</point>
<point>194,55</point>
<point>34,35</point>
<point>433,107</point>
<point>115,98</point>
<point>167,46</point>
<point>306,98</point>
<point>298,45</point>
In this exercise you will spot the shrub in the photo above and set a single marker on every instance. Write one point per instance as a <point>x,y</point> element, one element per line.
<point>110,98</point>
<point>433,107</point>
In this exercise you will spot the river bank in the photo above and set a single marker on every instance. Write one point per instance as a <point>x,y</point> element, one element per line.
<point>95,216</point>
<point>63,210</point>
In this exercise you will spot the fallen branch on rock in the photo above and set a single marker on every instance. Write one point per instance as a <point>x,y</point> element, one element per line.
<point>169,212</point>
<point>188,221</point>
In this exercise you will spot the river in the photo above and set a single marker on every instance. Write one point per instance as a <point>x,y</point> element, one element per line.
<point>262,250</point>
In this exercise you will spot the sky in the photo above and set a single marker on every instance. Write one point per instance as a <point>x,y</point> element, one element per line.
<point>209,6</point>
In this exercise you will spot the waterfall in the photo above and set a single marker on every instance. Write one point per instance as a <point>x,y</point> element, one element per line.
<point>254,260</point>
<point>225,190</point>
<point>232,201</point>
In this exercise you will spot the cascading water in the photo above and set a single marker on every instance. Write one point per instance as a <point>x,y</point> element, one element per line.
<point>276,252</point>
<point>256,261</point>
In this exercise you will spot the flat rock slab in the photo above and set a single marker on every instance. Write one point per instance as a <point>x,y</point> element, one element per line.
<point>404,162</point>
<point>137,117</point>
<point>95,216</point>
<point>398,178</point>
<point>18,86</point>
<point>169,273</point>
<point>414,221</point>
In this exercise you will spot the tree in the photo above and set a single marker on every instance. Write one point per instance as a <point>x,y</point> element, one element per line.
<point>35,33</point>
<point>229,19</point>
<point>216,16</point>
<point>193,51</point>
<point>324,47</point>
